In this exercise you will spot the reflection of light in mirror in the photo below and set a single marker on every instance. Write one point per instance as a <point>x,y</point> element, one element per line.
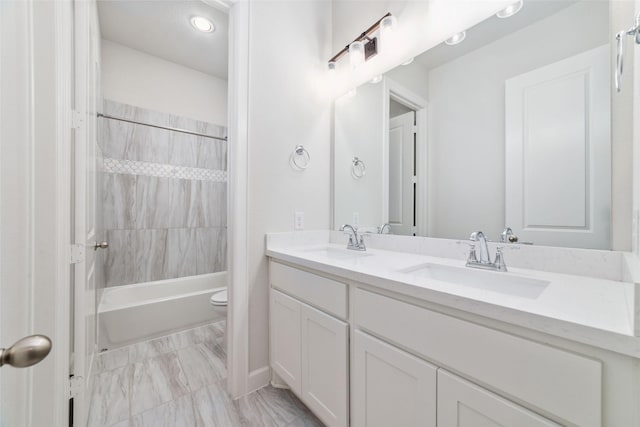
<point>408,61</point>
<point>351,93</point>
<point>377,79</point>
<point>356,53</point>
<point>388,26</point>
<point>510,10</point>
<point>456,38</point>
<point>202,24</point>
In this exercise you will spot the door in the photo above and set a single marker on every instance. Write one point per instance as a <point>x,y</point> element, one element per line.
<point>325,374</point>
<point>285,339</point>
<point>87,232</point>
<point>391,387</point>
<point>558,153</point>
<point>402,182</point>
<point>464,404</point>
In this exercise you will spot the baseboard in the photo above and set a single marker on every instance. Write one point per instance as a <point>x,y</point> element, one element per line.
<point>259,378</point>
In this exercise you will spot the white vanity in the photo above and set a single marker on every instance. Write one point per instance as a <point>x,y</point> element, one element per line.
<point>388,338</point>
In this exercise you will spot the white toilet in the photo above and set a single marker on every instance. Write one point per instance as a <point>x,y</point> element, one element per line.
<point>219,301</point>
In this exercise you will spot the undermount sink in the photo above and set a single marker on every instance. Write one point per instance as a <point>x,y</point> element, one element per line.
<point>487,280</point>
<point>338,254</point>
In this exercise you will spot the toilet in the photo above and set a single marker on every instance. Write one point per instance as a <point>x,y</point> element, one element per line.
<point>219,301</point>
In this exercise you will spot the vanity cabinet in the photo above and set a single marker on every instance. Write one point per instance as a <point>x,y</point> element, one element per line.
<point>310,346</point>
<point>464,404</point>
<point>390,387</point>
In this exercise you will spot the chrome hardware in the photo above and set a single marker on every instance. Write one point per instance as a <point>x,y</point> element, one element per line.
<point>358,168</point>
<point>26,352</point>
<point>484,262</point>
<point>383,226</point>
<point>101,245</point>
<point>356,242</point>
<point>620,42</point>
<point>300,158</point>
<point>507,236</point>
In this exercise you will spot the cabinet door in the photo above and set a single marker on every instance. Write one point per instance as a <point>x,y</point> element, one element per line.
<point>463,404</point>
<point>391,387</point>
<point>325,376</point>
<point>285,339</point>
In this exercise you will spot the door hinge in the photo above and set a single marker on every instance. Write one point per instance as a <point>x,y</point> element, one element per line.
<point>415,129</point>
<point>77,254</point>
<point>414,179</point>
<point>76,386</point>
<point>76,119</point>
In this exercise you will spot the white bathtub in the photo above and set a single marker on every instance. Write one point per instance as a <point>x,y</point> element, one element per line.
<point>133,313</point>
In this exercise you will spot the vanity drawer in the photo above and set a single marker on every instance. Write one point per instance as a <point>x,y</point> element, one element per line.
<point>561,383</point>
<point>325,294</point>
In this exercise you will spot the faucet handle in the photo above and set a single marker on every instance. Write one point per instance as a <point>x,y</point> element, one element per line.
<point>473,258</point>
<point>499,262</point>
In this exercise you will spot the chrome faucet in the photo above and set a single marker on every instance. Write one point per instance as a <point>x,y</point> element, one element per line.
<point>477,237</point>
<point>383,226</point>
<point>356,242</point>
<point>507,236</point>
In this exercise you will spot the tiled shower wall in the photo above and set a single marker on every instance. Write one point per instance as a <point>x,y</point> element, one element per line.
<point>164,197</point>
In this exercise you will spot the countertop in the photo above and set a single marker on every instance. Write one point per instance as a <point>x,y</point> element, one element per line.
<point>593,311</point>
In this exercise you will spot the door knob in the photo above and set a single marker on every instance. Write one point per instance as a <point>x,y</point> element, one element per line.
<point>26,352</point>
<point>101,245</point>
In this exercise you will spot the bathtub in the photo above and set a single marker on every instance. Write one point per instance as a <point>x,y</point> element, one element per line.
<point>133,313</point>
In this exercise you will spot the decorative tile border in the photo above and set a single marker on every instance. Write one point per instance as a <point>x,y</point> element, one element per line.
<point>132,167</point>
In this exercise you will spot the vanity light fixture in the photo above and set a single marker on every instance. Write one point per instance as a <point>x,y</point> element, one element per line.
<point>377,79</point>
<point>456,38</point>
<point>365,46</point>
<point>201,23</point>
<point>332,66</point>
<point>510,10</point>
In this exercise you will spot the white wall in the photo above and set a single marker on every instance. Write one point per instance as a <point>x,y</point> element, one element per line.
<point>358,132</point>
<point>466,116</point>
<point>288,105</point>
<point>137,78</point>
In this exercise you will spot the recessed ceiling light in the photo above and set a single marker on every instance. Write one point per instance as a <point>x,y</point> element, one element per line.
<point>201,23</point>
<point>510,10</point>
<point>377,79</point>
<point>408,61</point>
<point>456,38</point>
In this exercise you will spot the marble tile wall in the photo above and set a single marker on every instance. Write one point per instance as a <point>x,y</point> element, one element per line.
<point>162,227</point>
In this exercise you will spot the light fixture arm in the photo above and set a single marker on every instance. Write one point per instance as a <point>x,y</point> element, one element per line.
<point>364,36</point>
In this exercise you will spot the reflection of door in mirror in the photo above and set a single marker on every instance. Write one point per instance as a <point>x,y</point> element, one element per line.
<point>402,139</point>
<point>558,152</point>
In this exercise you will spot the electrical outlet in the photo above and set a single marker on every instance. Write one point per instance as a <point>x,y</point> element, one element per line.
<point>356,219</point>
<point>299,221</point>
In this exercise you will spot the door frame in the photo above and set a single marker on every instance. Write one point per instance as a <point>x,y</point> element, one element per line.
<point>399,93</point>
<point>45,35</point>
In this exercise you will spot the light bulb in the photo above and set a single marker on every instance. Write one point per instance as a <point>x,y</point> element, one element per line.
<point>510,10</point>
<point>388,25</point>
<point>201,23</point>
<point>456,38</point>
<point>356,53</point>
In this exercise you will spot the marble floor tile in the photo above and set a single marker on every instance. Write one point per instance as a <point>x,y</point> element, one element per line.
<point>283,406</point>
<point>308,420</point>
<point>202,365</point>
<point>156,381</point>
<point>152,348</point>
<point>214,408</point>
<point>210,334</point>
<point>176,413</point>
<point>112,359</point>
<point>109,402</point>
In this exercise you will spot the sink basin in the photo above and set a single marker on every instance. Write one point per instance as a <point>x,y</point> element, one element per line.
<point>503,283</point>
<point>338,254</point>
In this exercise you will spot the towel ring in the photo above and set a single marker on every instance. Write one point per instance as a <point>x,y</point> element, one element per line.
<point>300,158</point>
<point>358,168</point>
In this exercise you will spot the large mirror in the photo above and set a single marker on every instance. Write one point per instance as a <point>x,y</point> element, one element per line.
<point>514,123</point>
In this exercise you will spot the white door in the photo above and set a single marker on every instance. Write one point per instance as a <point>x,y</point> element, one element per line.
<point>558,152</point>
<point>402,174</point>
<point>464,404</point>
<point>325,374</point>
<point>34,206</point>
<point>86,229</point>
<point>391,387</point>
<point>285,339</point>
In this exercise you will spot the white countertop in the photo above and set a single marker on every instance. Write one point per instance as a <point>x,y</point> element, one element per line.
<point>592,311</point>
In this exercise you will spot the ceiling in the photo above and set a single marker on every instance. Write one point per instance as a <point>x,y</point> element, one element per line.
<point>162,28</point>
<point>493,29</point>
